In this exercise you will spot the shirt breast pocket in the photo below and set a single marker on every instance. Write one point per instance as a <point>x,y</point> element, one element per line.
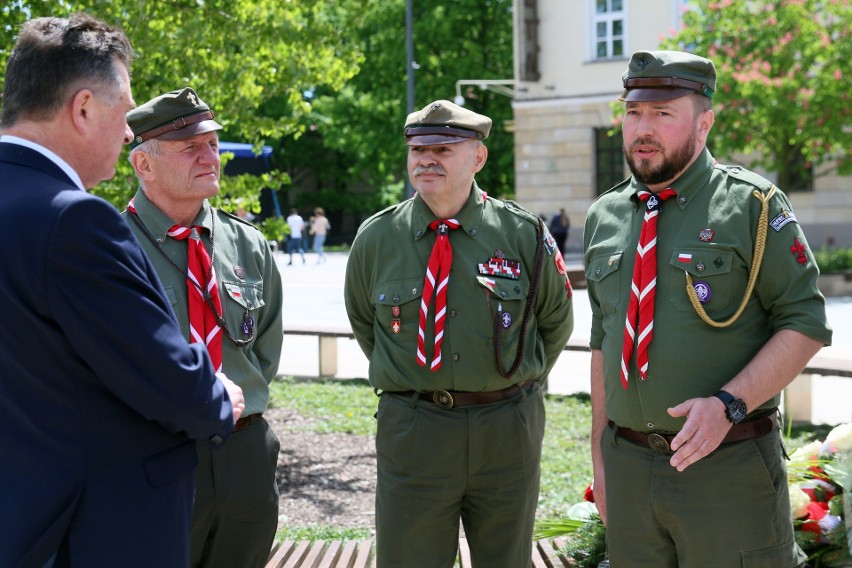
<point>710,269</point>
<point>604,275</point>
<point>240,305</point>
<point>397,305</point>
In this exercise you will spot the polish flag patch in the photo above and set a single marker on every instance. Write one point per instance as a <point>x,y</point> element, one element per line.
<point>684,257</point>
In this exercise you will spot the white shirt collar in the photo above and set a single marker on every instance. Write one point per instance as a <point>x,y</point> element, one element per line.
<point>69,171</point>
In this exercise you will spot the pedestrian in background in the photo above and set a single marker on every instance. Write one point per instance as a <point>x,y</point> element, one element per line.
<point>319,229</point>
<point>226,291</point>
<point>690,355</point>
<point>461,415</point>
<point>101,397</point>
<point>295,242</point>
<point>560,224</point>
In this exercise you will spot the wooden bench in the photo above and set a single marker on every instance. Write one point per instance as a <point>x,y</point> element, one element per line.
<point>359,554</point>
<point>321,554</point>
<point>797,399</point>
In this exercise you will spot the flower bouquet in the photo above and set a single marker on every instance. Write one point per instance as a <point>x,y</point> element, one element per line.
<point>585,541</point>
<point>820,482</point>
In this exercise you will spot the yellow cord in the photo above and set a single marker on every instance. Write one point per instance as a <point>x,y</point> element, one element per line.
<point>757,259</point>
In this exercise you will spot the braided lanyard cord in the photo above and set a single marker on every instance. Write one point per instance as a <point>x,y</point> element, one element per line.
<point>757,260</point>
<point>535,281</point>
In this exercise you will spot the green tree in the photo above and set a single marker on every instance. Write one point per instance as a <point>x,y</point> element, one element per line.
<point>784,72</point>
<point>239,55</point>
<point>355,135</point>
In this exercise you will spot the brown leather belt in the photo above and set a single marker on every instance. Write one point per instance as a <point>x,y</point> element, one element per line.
<point>458,399</point>
<point>662,442</point>
<point>246,421</point>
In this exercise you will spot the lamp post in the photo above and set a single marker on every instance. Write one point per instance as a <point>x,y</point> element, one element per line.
<point>410,67</point>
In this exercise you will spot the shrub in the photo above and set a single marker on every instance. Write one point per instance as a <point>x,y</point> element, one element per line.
<point>833,259</point>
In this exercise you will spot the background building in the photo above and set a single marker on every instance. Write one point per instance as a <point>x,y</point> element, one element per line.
<point>569,57</point>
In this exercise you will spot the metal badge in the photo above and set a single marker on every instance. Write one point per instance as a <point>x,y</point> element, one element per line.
<point>442,398</point>
<point>240,272</point>
<point>396,325</point>
<point>658,443</point>
<point>706,235</point>
<point>702,290</point>
<point>700,267</point>
<point>395,311</point>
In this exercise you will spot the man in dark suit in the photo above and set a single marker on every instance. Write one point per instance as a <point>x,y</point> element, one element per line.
<point>101,397</point>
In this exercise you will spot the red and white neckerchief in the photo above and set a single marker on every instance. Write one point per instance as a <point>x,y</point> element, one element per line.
<point>640,310</point>
<point>436,280</point>
<point>201,285</point>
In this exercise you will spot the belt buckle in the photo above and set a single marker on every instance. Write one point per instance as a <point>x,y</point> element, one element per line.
<point>443,399</point>
<point>658,443</point>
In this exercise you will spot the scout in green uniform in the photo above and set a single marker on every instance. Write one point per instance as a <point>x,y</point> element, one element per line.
<point>462,304</point>
<point>689,467</point>
<point>175,156</point>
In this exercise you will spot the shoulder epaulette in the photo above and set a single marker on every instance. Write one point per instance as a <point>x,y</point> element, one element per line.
<point>521,211</point>
<point>747,176</point>
<point>623,183</point>
<point>236,218</point>
<point>382,213</point>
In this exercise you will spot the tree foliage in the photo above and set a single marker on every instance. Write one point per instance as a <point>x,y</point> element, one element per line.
<point>239,55</point>
<point>355,135</point>
<point>784,72</point>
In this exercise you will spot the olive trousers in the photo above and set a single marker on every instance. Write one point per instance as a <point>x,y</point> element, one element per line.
<point>729,510</point>
<point>480,464</point>
<point>235,514</point>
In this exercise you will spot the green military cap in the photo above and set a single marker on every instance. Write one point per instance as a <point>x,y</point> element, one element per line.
<point>174,116</point>
<point>443,122</point>
<point>666,75</point>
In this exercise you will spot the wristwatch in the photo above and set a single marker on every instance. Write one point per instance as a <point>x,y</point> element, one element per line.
<point>735,408</point>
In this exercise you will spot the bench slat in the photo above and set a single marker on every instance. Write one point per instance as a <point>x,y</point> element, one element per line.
<point>280,553</point>
<point>299,552</point>
<point>331,556</point>
<point>365,555</point>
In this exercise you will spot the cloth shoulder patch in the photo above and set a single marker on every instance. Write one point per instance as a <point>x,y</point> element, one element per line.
<point>783,218</point>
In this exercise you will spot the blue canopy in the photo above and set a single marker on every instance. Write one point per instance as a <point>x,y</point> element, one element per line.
<point>241,150</point>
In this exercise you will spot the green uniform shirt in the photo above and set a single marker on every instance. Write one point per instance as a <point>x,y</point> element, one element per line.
<point>385,274</point>
<point>249,282</point>
<point>708,230</point>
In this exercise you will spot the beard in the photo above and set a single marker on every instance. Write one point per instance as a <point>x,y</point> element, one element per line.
<point>645,172</point>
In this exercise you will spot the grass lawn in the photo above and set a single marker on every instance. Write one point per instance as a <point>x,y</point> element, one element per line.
<point>566,467</point>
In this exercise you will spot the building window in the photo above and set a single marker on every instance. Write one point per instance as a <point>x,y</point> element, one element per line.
<point>608,29</point>
<point>609,160</point>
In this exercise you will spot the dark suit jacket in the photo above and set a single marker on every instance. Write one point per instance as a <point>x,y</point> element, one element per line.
<point>101,397</point>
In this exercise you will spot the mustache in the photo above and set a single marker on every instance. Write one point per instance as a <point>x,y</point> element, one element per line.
<point>430,170</point>
<point>645,142</point>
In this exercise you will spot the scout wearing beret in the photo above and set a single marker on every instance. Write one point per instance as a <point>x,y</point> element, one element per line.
<point>686,375</point>
<point>462,304</point>
<point>232,305</point>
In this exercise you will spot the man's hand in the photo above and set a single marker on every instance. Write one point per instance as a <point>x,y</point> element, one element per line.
<point>703,431</point>
<point>235,393</point>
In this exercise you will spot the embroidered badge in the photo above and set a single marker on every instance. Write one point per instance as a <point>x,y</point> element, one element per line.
<point>706,235</point>
<point>559,261</point>
<point>549,243</point>
<point>798,249</point>
<point>395,325</point>
<point>783,219</point>
<point>718,262</point>
<point>505,320</point>
<point>702,290</point>
<point>501,268</point>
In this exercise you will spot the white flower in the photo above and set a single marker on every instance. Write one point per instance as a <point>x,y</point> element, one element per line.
<point>840,438</point>
<point>798,501</point>
<point>806,453</point>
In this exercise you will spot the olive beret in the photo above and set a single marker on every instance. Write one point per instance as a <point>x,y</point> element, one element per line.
<point>443,122</point>
<point>666,75</point>
<point>173,116</point>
